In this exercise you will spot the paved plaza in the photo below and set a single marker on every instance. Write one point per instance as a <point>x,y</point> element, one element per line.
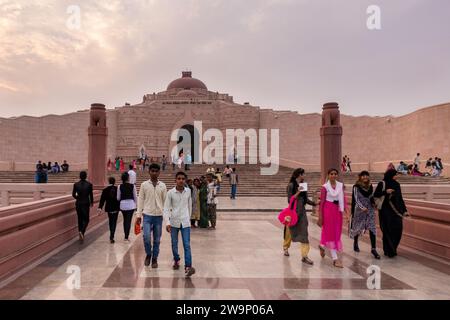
<point>242,259</point>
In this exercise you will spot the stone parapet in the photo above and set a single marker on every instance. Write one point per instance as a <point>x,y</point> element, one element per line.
<point>30,231</point>
<point>427,229</point>
<point>17,193</point>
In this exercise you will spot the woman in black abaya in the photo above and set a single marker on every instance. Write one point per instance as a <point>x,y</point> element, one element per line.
<point>391,213</point>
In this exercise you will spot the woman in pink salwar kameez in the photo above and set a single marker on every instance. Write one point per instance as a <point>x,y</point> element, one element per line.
<point>331,216</point>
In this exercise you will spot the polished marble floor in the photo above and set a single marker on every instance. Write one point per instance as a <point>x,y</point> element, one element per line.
<point>241,259</point>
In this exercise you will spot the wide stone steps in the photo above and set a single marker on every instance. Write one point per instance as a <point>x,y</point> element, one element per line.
<point>251,182</point>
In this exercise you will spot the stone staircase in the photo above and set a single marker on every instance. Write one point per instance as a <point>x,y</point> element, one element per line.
<point>251,182</point>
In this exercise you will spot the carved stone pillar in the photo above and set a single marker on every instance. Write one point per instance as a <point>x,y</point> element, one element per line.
<point>98,135</point>
<point>330,139</point>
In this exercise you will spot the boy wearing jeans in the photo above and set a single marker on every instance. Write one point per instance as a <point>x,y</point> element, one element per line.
<point>177,214</point>
<point>152,197</point>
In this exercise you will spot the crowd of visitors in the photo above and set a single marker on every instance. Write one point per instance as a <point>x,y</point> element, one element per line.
<point>44,169</point>
<point>333,209</point>
<point>192,203</point>
<point>53,168</point>
<point>433,167</point>
<point>144,162</point>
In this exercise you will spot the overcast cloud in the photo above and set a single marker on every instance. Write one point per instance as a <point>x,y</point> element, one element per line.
<point>281,54</point>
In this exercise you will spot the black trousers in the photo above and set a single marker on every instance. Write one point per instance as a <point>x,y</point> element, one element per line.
<point>127,217</point>
<point>112,216</point>
<point>83,217</point>
<point>373,240</point>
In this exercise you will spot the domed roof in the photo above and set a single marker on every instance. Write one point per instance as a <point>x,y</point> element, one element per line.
<point>187,82</point>
<point>187,93</point>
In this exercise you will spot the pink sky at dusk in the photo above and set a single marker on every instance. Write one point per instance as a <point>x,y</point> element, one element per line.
<point>281,54</point>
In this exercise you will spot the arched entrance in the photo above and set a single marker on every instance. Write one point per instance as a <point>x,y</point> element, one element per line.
<point>195,139</point>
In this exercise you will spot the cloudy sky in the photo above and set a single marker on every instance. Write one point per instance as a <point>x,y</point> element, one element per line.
<point>282,54</point>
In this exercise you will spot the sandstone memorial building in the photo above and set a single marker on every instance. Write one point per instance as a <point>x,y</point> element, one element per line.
<point>149,124</point>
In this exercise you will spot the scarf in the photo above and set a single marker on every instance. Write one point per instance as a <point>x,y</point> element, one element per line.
<point>389,180</point>
<point>366,190</point>
<point>336,193</point>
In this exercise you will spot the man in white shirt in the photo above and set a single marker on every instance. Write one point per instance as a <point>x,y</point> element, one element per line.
<point>177,215</point>
<point>152,196</point>
<point>132,175</point>
<point>417,162</point>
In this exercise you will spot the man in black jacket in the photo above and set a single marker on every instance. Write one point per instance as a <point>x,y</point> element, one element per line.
<point>109,196</point>
<point>83,193</point>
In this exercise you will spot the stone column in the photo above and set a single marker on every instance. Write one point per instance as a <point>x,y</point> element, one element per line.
<point>330,139</point>
<point>98,134</point>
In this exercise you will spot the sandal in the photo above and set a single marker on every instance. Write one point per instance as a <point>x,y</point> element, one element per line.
<point>322,251</point>
<point>307,261</point>
<point>375,254</point>
<point>338,264</point>
<point>286,253</point>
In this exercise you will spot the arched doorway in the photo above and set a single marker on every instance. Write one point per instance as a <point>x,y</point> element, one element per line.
<point>195,139</point>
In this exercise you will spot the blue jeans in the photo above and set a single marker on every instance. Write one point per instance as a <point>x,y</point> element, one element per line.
<point>152,224</point>
<point>233,191</point>
<point>186,236</point>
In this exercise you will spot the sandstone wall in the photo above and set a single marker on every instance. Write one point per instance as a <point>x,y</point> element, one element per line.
<point>299,137</point>
<point>371,142</point>
<point>111,122</point>
<point>49,138</point>
<point>380,140</point>
<point>25,140</point>
<point>151,126</point>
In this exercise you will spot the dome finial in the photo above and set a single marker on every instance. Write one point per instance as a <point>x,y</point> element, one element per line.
<point>187,74</point>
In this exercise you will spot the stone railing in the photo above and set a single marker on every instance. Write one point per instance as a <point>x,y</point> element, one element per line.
<point>30,231</point>
<point>427,229</point>
<point>13,193</point>
<point>433,193</point>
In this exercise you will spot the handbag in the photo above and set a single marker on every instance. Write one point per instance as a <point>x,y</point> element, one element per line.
<point>379,201</point>
<point>137,228</point>
<point>288,212</point>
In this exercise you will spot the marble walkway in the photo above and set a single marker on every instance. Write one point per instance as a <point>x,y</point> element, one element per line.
<point>241,259</point>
